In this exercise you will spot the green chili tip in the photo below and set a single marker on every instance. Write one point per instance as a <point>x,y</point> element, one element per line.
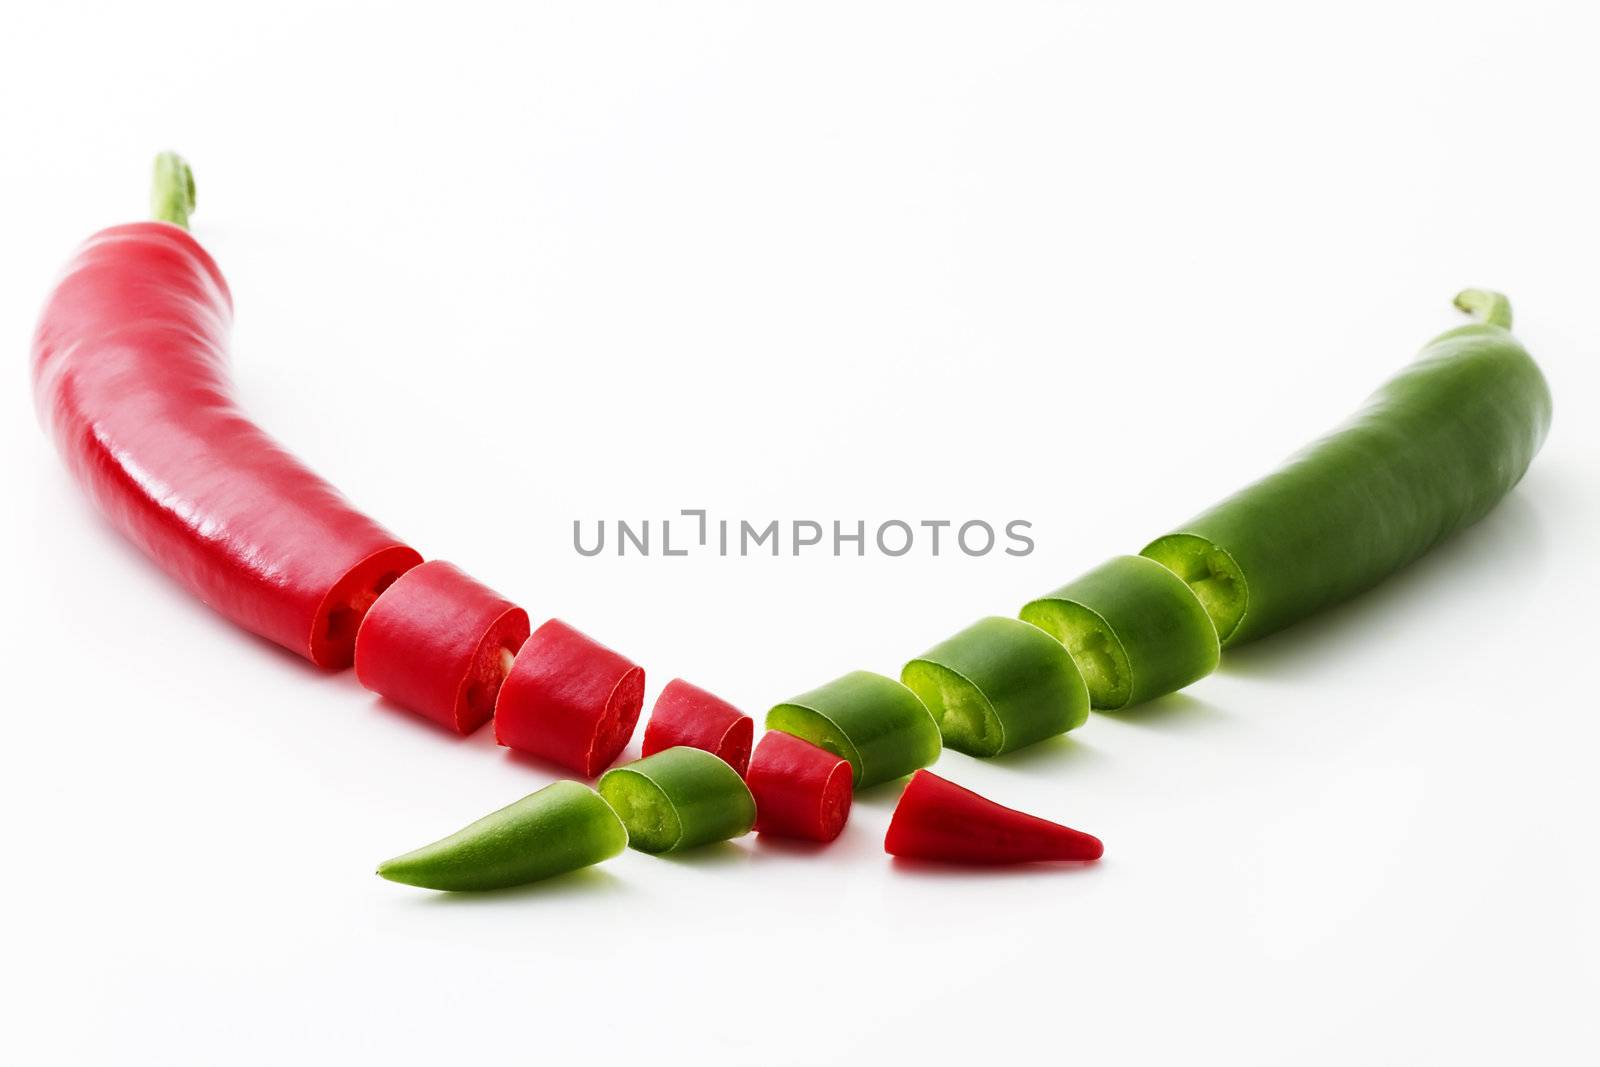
<point>1487,306</point>
<point>172,190</point>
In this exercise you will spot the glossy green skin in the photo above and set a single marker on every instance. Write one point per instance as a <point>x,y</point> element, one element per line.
<point>1019,678</point>
<point>708,798</point>
<point>560,828</point>
<point>876,723</point>
<point>1134,627</point>
<point>1431,451</point>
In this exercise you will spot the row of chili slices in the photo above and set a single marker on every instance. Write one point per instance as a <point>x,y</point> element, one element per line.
<point>445,646</point>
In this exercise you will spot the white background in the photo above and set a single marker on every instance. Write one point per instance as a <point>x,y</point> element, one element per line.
<point>1092,265</point>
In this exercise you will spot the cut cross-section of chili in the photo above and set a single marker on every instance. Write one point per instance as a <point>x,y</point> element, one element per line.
<point>441,644</point>
<point>685,714</point>
<point>569,699</point>
<point>998,685</point>
<point>679,799</point>
<point>801,790</point>
<point>941,821</point>
<point>1135,629</point>
<point>130,376</point>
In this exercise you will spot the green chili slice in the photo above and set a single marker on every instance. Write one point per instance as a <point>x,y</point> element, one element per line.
<point>876,723</point>
<point>998,685</point>
<point>679,798</point>
<point>1136,630</point>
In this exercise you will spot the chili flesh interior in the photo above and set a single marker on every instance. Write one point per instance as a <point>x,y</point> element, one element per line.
<point>652,822</point>
<point>490,664</point>
<point>333,637</point>
<point>836,797</point>
<point>966,718</point>
<point>618,721</point>
<point>1213,575</point>
<point>1095,649</point>
<point>679,798</point>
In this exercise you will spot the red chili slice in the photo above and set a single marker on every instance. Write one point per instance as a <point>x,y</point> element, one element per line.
<point>685,714</point>
<point>569,699</point>
<point>801,790</point>
<point>130,378</point>
<point>939,820</point>
<point>440,643</point>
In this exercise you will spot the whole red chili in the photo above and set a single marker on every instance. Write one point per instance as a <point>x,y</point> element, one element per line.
<point>130,378</point>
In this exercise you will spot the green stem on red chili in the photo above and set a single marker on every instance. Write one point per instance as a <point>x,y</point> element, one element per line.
<point>172,191</point>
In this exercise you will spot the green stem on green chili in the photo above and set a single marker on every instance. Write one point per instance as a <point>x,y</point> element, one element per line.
<point>1486,305</point>
<point>172,191</point>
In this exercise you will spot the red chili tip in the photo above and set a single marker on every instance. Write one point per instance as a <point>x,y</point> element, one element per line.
<point>939,820</point>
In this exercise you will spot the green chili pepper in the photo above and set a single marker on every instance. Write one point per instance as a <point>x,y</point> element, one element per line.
<point>1432,451</point>
<point>560,828</point>
<point>998,685</point>
<point>1134,628</point>
<point>679,798</point>
<point>876,723</point>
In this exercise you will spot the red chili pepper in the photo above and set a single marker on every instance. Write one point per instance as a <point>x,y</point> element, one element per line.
<point>440,643</point>
<point>800,790</point>
<point>685,714</point>
<point>569,699</point>
<point>130,378</point>
<point>939,820</point>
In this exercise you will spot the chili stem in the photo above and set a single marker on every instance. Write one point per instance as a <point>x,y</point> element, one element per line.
<point>172,192</point>
<point>1486,306</point>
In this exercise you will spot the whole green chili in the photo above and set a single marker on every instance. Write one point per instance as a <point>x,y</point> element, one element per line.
<point>1432,451</point>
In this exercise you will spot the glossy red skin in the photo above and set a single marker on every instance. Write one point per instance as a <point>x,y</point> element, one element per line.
<point>801,790</point>
<point>939,820</point>
<point>130,379</point>
<point>432,643</point>
<point>570,700</point>
<point>685,714</point>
